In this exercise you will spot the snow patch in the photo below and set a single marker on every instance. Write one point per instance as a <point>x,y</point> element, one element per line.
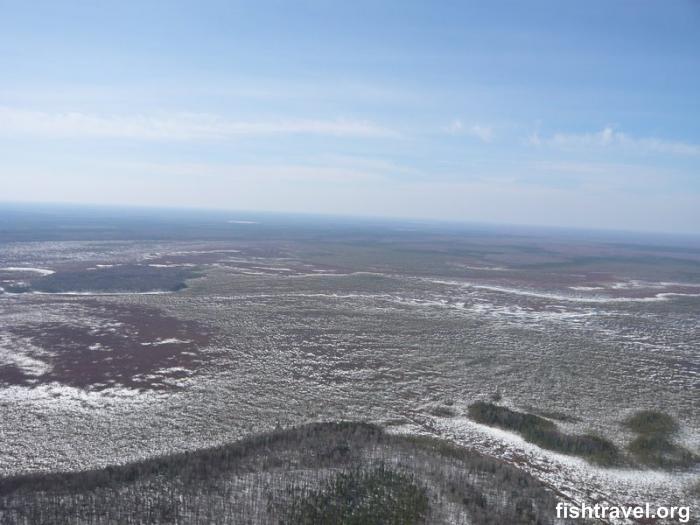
<point>23,356</point>
<point>170,341</point>
<point>40,271</point>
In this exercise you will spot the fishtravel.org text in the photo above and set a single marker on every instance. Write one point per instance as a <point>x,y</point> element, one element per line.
<point>647,511</point>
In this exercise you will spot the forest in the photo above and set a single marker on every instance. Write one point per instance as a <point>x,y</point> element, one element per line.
<point>340,472</point>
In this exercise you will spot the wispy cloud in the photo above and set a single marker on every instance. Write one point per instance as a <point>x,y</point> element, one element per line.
<point>629,178</point>
<point>455,126</point>
<point>608,137</point>
<point>483,133</point>
<point>180,126</point>
<point>259,173</point>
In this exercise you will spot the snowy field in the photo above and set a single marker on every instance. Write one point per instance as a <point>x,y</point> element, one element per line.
<point>402,330</point>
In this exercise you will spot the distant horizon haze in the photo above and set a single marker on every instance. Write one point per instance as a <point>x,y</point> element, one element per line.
<point>252,217</point>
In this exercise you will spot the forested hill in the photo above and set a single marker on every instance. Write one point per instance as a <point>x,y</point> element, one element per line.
<point>318,473</point>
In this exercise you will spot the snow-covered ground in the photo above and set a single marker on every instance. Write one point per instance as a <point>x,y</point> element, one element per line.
<point>294,341</point>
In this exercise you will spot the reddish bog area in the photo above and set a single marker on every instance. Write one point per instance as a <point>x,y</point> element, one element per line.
<point>126,346</point>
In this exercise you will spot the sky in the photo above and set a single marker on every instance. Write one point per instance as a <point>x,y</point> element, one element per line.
<point>575,114</point>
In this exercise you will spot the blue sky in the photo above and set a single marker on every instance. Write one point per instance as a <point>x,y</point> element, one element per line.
<point>582,114</point>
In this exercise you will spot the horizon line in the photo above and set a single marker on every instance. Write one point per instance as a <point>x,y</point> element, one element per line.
<point>350,217</point>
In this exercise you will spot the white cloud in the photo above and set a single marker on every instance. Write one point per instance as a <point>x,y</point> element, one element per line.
<point>455,127</point>
<point>180,126</point>
<point>483,133</point>
<point>610,138</point>
<point>260,173</point>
